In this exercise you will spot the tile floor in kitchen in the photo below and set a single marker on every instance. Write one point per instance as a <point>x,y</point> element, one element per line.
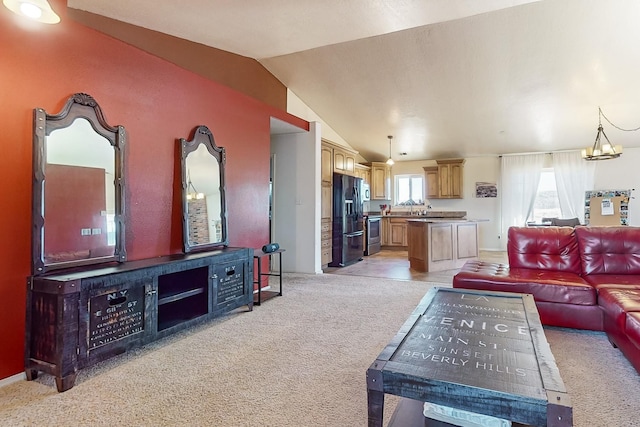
<point>394,264</point>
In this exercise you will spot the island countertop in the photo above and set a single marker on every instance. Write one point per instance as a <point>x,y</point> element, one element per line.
<point>421,219</point>
<point>428,214</point>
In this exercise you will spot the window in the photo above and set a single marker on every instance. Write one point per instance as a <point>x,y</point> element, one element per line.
<point>409,190</point>
<point>546,204</point>
<point>111,229</point>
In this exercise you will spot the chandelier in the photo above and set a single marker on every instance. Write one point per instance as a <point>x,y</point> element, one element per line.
<point>602,150</point>
<point>192,193</point>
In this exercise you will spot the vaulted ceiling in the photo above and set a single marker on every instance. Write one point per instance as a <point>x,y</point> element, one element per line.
<point>446,78</point>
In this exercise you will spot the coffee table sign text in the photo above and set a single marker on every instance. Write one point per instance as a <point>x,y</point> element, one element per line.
<point>478,351</point>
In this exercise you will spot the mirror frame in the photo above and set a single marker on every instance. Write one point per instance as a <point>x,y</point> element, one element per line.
<point>202,135</point>
<point>79,105</point>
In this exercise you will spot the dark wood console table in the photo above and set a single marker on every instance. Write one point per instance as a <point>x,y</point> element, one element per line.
<point>477,351</point>
<point>81,316</point>
<point>258,254</point>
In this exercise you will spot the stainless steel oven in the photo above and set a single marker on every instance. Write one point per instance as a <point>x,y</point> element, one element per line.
<point>372,235</point>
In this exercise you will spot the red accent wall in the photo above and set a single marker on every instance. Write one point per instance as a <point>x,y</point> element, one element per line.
<point>157,102</point>
<point>74,199</point>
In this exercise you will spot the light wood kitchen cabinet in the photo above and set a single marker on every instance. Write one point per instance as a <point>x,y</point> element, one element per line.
<point>326,202</point>
<point>394,232</point>
<point>437,246</point>
<point>363,172</point>
<point>326,221</point>
<point>380,181</point>
<point>444,181</point>
<point>450,178</point>
<point>337,158</point>
<point>326,164</point>
<point>325,241</point>
<point>431,182</point>
<point>344,161</point>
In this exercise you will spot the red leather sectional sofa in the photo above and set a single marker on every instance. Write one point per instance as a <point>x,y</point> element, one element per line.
<point>583,278</point>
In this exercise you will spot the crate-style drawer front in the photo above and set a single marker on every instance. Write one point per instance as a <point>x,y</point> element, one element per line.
<point>231,288</point>
<point>114,318</point>
<point>326,240</point>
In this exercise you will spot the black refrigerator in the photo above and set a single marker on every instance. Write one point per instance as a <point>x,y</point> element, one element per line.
<point>348,225</point>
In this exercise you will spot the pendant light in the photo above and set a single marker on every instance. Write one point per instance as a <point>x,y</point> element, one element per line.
<point>390,161</point>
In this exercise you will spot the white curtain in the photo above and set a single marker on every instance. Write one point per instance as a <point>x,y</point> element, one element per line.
<point>574,176</point>
<point>520,177</point>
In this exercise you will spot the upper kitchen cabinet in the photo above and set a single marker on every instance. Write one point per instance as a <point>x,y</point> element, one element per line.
<point>380,181</point>
<point>432,184</point>
<point>450,178</point>
<point>343,159</point>
<point>445,180</point>
<point>363,172</point>
<point>326,164</point>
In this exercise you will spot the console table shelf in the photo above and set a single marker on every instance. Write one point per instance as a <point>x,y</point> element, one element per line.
<point>264,295</point>
<point>81,316</point>
<point>181,295</point>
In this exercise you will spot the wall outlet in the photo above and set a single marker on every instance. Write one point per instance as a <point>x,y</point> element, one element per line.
<point>85,232</point>
<point>96,231</point>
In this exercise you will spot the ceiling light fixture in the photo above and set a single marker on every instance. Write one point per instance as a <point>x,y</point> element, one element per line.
<point>603,150</point>
<point>390,161</point>
<point>192,193</point>
<point>36,10</point>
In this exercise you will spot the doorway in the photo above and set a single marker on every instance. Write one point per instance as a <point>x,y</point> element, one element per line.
<point>295,195</point>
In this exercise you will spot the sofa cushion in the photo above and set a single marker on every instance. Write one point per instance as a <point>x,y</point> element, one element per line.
<point>617,302</point>
<point>544,248</point>
<point>613,281</point>
<point>609,250</point>
<point>549,286</point>
<point>632,328</point>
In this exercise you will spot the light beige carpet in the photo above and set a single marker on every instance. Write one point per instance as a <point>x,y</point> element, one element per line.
<point>297,360</point>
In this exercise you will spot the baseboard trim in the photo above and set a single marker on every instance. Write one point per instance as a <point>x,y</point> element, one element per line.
<point>13,379</point>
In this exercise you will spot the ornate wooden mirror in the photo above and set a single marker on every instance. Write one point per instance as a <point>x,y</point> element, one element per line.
<point>204,208</point>
<point>78,187</point>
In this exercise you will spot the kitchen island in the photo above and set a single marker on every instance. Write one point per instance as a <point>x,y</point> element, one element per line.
<point>437,244</point>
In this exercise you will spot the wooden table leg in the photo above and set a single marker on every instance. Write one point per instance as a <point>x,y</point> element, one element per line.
<point>375,407</point>
<point>375,394</point>
<point>66,382</point>
<point>31,374</point>
<point>559,410</point>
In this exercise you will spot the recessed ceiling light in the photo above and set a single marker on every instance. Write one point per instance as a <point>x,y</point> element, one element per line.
<point>36,10</point>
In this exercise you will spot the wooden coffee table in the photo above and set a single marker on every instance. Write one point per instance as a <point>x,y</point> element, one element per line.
<point>482,352</point>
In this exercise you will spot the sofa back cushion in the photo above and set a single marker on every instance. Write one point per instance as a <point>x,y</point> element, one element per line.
<point>609,250</point>
<point>547,248</point>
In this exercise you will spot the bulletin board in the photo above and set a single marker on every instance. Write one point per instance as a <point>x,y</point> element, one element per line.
<point>607,207</point>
